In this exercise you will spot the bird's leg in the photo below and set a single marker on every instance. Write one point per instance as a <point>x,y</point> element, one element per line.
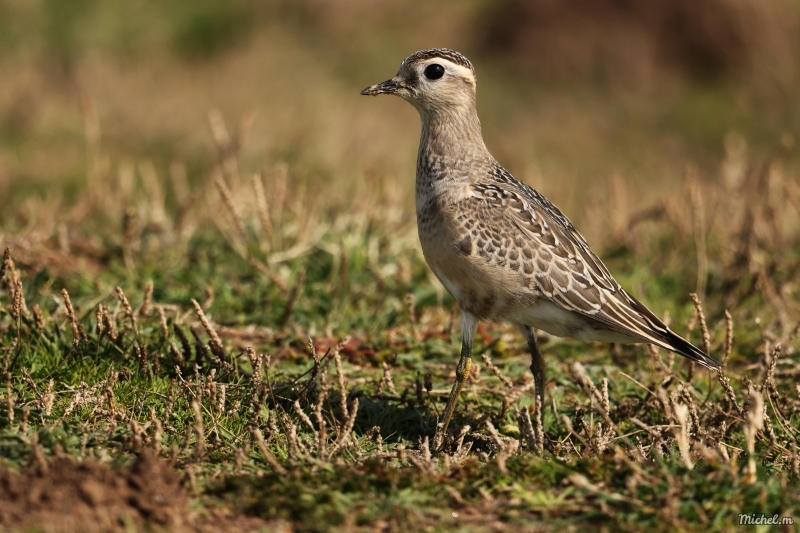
<point>537,369</point>
<point>468,326</point>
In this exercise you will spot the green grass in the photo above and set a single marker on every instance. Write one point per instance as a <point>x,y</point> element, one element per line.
<point>109,398</point>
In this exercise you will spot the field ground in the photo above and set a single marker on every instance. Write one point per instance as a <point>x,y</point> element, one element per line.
<point>291,369</point>
<point>209,324</point>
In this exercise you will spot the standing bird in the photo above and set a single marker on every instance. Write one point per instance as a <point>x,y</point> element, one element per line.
<point>504,251</point>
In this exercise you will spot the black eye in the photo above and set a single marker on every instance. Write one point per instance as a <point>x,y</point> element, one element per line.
<point>434,72</point>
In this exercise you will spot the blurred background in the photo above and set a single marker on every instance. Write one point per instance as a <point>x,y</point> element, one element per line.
<point>575,96</point>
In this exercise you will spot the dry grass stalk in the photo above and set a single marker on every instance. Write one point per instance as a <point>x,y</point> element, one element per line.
<point>147,302</point>
<point>98,316</point>
<point>728,338</point>
<point>337,359</point>
<point>18,306</point>
<point>701,317</point>
<point>141,358</point>
<point>304,418</point>
<point>601,438</point>
<point>347,428</point>
<point>686,395</point>
<point>497,372</point>
<point>176,353</point>
<point>322,432</point>
<point>295,448</point>
<point>32,384</point>
<point>130,228</point>
<point>754,422</point>
<point>682,434</point>
<point>386,380</point>
<point>170,403</point>
<point>200,436</point>
<point>10,402</point>
<point>583,380</point>
<point>6,264</point>
<point>126,306</point>
<point>769,384</point>
<point>48,398</point>
<point>401,453</point>
<point>314,356</point>
<point>162,320</point>
<point>768,429</point>
<point>265,269</point>
<point>238,221</point>
<point>526,429</point>
<point>222,392</point>
<point>418,389</point>
<point>239,457</point>
<point>158,431</point>
<point>109,323</point>
<point>461,451</point>
<point>726,384</point>
<point>411,304</point>
<point>108,391</point>
<point>505,447</point>
<point>666,403</point>
<point>215,342</point>
<point>83,397</point>
<point>422,460</point>
<point>376,431</point>
<point>255,361</point>
<point>38,317</point>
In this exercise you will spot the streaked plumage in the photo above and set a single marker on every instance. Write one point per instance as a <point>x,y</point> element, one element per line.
<point>503,250</point>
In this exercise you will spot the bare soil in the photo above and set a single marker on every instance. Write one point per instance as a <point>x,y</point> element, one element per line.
<point>67,496</point>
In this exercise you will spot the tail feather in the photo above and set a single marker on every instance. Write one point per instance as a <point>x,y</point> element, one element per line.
<point>674,342</point>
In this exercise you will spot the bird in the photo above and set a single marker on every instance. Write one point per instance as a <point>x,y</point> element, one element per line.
<point>503,251</point>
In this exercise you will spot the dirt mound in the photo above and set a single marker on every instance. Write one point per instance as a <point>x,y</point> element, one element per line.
<point>92,497</point>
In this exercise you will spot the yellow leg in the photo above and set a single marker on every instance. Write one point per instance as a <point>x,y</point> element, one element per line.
<point>468,326</point>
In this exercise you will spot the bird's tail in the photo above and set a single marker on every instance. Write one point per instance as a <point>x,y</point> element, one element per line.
<point>674,342</point>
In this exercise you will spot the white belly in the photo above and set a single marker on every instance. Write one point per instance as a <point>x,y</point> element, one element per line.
<point>556,320</point>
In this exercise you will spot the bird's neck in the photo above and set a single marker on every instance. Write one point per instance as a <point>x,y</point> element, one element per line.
<point>451,145</point>
<point>451,134</point>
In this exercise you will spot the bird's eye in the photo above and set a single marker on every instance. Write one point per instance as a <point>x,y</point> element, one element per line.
<point>434,72</point>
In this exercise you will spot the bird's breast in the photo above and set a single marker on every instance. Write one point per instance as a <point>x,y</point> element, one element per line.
<point>487,290</point>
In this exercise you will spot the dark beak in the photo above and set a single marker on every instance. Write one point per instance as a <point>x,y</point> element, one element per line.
<point>386,87</point>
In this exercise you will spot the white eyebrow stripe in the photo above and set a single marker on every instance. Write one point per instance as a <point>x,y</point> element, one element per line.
<point>450,67</point>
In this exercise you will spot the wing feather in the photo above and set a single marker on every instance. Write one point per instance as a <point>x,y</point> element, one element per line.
<point>564,268</point>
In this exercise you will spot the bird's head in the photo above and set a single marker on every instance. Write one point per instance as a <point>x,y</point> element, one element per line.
<point>435,80</point>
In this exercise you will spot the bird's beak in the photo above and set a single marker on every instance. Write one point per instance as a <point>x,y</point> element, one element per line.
<point>385,87</point>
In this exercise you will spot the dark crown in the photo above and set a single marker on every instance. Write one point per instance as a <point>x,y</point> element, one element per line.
<point>444,53</point>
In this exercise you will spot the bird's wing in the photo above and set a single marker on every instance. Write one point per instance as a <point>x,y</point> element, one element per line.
<point>548,250</point>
